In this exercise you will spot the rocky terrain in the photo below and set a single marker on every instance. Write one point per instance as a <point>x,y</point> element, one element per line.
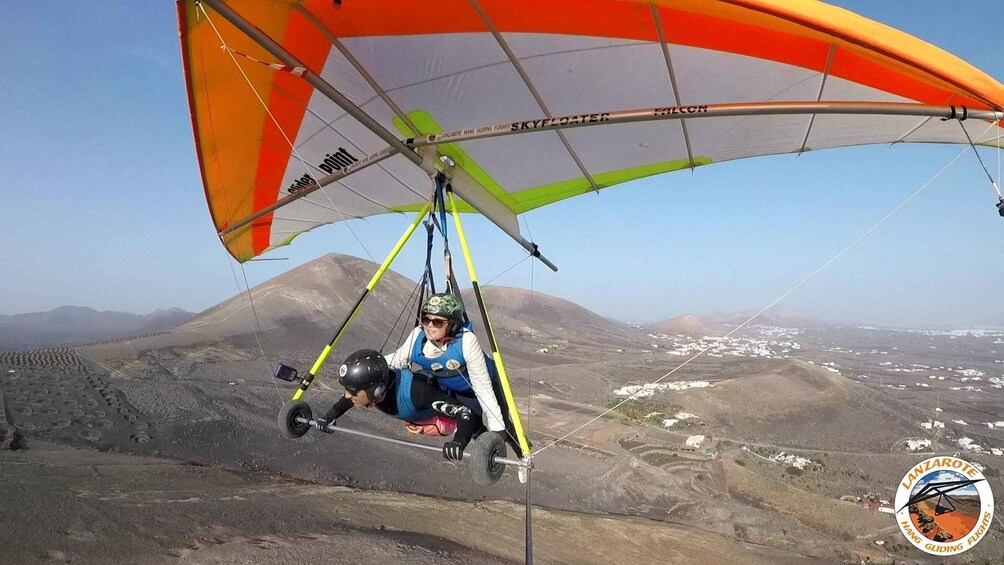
<point>165,446</point>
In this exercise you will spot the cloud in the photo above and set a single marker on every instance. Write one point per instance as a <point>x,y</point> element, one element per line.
<point>945,476</point>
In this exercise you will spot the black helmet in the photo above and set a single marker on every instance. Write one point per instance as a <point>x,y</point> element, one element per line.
<point>367,370</point>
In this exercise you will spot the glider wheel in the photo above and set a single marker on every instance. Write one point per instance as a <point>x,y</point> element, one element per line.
<point>484,469</point>
<point>291,411</point>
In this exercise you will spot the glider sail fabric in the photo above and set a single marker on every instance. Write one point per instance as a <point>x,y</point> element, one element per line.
<point>263,131</point>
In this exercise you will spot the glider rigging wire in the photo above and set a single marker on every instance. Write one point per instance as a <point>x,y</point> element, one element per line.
<point>980,159</point>
<point>306,168</point>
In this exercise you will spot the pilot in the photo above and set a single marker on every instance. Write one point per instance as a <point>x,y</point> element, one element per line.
<point>404,395</point>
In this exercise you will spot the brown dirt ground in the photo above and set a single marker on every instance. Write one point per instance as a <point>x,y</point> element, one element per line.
<point>69,505</point>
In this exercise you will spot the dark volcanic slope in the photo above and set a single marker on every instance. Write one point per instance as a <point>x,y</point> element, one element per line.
<point>83,506</point>
<point>313,296</point>
<point>236,502</point>
<point>70,325</point>
<point>297,312</point>
<point>522,314</point>
<point>204,394</point>
<point>293,315</point>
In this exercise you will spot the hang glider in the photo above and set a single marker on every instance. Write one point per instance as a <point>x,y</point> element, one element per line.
<point>940,489</point>
<point>317,111</point>
<point>308,112</point>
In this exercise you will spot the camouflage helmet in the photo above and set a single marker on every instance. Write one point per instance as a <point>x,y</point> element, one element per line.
<point>444,304</point>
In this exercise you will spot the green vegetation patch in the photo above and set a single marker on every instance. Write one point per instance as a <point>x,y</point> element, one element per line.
<point>646,411</point>
<point>658,458</point>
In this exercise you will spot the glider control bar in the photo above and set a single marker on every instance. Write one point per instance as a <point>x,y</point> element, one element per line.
<point>497,459</point>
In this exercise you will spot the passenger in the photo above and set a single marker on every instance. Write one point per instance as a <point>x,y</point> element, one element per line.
<point>452,354</point>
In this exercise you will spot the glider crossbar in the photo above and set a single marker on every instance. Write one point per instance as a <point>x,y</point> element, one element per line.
<point>495,459</point>
<point>627,116</point>
<point>703,111</point>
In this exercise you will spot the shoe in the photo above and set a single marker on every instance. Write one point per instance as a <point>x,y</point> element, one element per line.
<point>322,425</point>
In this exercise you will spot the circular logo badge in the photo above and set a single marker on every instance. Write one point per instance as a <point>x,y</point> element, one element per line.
<point>453,364</point>
<point>342,370</point>
<point>944,506</point>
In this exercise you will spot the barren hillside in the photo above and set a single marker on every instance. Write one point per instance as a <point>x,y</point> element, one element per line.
<point>688,324</point>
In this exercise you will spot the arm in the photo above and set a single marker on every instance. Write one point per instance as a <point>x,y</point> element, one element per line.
<point>481,381</point>
<point>337,409</point>
<point>401,358</point>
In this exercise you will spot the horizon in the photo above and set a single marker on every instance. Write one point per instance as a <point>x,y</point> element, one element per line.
<point>704,317</point>
<point>127,216</point>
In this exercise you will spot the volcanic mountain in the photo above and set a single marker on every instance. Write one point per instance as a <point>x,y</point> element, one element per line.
<point>70,325</point>
<point>780,315</point>
<point>689,325</point>
<point>302,308</point>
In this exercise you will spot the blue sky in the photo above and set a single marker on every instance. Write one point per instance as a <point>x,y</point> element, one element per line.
<point>103,204</point>
<point>942,477</point>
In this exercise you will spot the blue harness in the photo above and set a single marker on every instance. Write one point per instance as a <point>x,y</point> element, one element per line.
<point>450,368</point>
<point>456,379</point>
<point>405,407</point>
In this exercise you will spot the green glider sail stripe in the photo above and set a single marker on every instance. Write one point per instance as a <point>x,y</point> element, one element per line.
<point>531,198</point>
<point>536,197</point>
<point>427,125</point>
<point>528,199</point>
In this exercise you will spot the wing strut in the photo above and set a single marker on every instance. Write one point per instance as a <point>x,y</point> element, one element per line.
<point>305,383</point>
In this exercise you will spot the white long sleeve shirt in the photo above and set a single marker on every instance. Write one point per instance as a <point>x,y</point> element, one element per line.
<point>477,370</point>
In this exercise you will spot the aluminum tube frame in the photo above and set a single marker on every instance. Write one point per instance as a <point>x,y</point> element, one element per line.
<point>706,111</point>
<point>309,378</point>
<point>497,459</point>
<point>528,512</point>
<point>637,115</point>
<point>517,423</point>
<point>334,177</point>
